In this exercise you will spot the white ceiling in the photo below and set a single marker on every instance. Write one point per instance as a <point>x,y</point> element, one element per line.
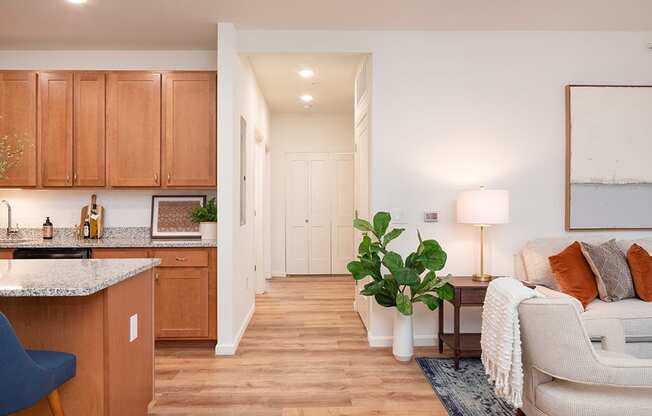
<point>190,24</point>
<point>332,86</point>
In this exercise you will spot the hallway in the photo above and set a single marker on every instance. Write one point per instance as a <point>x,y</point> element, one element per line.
<point>305,354</point>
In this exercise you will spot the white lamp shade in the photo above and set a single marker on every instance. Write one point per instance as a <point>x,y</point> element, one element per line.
<point>483,207</point>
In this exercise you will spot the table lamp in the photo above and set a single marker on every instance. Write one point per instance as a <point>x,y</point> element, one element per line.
<point>483,208</point>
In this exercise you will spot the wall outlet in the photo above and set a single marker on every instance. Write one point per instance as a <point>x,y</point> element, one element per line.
<point>133,327</point>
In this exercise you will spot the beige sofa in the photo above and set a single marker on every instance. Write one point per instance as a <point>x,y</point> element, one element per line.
<point>564,375</point>
<point>628,321</point>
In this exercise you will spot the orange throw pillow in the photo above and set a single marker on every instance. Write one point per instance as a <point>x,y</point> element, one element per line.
<point>574,275</point>
<point>640,264</point>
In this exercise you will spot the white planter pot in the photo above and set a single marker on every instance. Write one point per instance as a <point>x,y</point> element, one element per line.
<point>403,345</point>
<point>208,230</point>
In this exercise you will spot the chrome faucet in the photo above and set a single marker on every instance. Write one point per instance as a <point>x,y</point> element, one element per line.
<point>10,231</point>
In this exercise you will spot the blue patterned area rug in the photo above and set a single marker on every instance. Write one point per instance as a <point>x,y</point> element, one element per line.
<point>465,392</point>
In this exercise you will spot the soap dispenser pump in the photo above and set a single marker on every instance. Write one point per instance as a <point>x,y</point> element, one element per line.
<point>48,231</point>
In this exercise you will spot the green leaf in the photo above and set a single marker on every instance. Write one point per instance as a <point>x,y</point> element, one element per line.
<point>392,235</point>
<point>358,270</point>
<point>381,222</point>
<point>372,265</point>
<point>431,256</point>
<point>362,225</point>
<point>365,245</point>
<point>425,284</point>
<point>407,277</point>
<point>429,300</point>
<point>446,292</point>
<point>404,304</point>
<point>373,288</point>
<point>385,300</point>
<point>393,261</point>
<point>434,261</point>
<point>391,285</point>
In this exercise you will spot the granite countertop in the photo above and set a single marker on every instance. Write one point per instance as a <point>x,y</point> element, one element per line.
<point>118,237</point>
<point>67,277</point>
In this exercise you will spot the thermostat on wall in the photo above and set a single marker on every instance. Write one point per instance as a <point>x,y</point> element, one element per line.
<point>430,216</point>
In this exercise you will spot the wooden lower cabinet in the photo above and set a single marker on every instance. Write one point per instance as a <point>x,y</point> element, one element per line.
<point>181,302</point>
<point>185,290</point>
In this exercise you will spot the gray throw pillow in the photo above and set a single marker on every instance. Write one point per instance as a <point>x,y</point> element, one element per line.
<point>611,270</point>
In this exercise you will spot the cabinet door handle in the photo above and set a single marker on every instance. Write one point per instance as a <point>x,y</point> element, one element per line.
<point>68,178</point>
<point>156,178</point>
<point>156,276</point>
<point>74,177</point>
<point>182,259</point>
<point>168,178</point>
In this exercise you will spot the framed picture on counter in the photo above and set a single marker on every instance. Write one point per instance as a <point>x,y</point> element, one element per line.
<point>171,216</point>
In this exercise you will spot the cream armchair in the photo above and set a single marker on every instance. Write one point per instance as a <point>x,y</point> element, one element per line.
<point>566,376</point>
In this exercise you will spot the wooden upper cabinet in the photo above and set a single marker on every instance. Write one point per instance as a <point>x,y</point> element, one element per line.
<point>89,153</point>
<point>55,128</point>
<point>189,151</point>
<point>134,129</point>
<point>18,124</point>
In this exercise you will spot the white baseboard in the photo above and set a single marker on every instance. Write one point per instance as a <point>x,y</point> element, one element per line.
<point>278,274</point>
<point>386,341</point>
<point>230,349</point>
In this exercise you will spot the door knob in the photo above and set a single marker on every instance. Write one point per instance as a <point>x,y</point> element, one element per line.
<point>306,221</point>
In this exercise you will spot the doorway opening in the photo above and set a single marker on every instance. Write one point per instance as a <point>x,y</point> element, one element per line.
<point>312,178</point>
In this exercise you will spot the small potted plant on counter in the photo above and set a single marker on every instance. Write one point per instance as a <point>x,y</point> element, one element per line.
<point>397,283</point>
<point>206,217</point>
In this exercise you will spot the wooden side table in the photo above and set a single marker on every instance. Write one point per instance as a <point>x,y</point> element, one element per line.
<point>467,293</point>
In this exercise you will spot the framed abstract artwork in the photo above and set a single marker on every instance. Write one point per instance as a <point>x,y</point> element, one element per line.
<point>171,216</point>
<point>608,157</point>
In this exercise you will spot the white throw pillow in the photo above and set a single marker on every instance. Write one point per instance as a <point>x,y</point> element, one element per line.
<point>537,252</point>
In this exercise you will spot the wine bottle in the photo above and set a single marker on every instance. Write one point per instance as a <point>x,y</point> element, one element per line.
<point>87,228</point>
<point>93,221</point>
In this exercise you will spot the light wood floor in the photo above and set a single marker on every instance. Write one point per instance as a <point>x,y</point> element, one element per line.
<point>305,353</point>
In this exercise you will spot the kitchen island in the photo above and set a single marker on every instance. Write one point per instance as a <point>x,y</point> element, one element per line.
<point>100,310</point>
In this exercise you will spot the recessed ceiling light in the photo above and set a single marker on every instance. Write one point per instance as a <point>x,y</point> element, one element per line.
<point>306,73</point>
<point>77,1</point>
<point>307,98</point>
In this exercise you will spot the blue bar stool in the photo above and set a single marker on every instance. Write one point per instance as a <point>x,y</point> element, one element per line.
<point>27,376</point>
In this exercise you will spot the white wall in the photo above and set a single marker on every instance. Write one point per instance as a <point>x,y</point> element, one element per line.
<point>456,110</point>
<point>300,132</point>
<point>238,95</point>
<point>128,208</point>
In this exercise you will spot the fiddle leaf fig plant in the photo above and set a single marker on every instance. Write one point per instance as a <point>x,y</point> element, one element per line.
<point>408,281</point>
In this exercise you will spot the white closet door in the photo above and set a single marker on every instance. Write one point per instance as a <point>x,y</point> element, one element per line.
<point>296,214</point>
<point>308,213</point>
<point>343,212</point>
<point>320,213</point>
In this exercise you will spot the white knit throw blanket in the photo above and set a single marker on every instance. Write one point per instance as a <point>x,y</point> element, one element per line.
<point>501,337</point>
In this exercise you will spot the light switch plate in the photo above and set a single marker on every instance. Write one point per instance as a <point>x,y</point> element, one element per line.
<point>431,216</point>
<point>133,327</point>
